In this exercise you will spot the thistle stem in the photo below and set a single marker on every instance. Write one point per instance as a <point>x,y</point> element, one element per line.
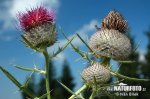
<point>78,91</point>
<point>93,95</point>
<point>45,53</point>
<point>106,62</point>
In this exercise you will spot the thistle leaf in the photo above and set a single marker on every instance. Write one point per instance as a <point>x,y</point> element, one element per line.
<point>136,47</point>
<point>28,44</point>
<point>69,90</point>
<point>54,28</point>
<point>35,69</point>
<point>61,48</point>
<point>84,42</point>
<point>45,95</point>
<point>129,62</point>
<point>12,78</point>
<point>28,80</point>
<point>16,82</point>
<point>24,68</point>
<point>128,78</point>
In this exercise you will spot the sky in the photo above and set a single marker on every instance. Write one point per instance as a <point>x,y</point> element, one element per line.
<point>73,16</point>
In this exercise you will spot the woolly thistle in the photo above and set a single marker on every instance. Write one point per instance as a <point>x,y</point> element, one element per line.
<point>110,41</point>
<point>115,21</point>
<point>97,72</point>
<point>38,26</point>
<point>111,44</point>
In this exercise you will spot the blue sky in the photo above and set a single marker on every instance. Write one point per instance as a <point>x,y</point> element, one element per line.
<point>73,16</point>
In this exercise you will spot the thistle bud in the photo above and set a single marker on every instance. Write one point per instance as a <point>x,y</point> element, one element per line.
<point>38,27</point>
<point>96,73</point>
<point>111,44</point>
<point>115,21</point>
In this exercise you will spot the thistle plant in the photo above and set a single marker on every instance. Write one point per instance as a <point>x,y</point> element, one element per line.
<point>39,32</point>
<point>109,42</point>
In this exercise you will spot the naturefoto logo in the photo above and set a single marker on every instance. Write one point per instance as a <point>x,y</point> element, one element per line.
<point>123,89</point>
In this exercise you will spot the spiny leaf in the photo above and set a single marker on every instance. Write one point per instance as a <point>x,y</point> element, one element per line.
<point>45,95</point>
<point>28,80</point>
<point>127,62</point>
<point>76,49</point>
<point>12,78</point>
<point>136,47</point>
<point>84,42</point>
<point>54,28</point>
<point>69,90</point>
<point>24,68</point>
<point>28,44</point>
<point>118,67</point>
<point>62,48</point>
<point>128,78</point>
<point>35,69</point>
<point>16,82</point>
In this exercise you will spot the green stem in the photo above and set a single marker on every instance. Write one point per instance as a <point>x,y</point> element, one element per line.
<point>93,95</point>
<point>106,62</point>
<point>45,53</point>
<point>129,78</point>
<point>78,91</point>
<point>28,92</point>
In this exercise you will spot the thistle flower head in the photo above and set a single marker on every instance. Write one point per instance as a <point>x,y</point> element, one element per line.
<point>35,17</point>
<point>114,20</point>
<point>111,44</point>
<point>96,73</point>
<point>110,41</point>
<point>39,28</point>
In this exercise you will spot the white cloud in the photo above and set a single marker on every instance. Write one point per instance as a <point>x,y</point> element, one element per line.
<point>84,31</point>
<point>6,38</point>
<point>10,8</point>
<point>60,58</point>
<point>23,5</point>
<point>142,56</point>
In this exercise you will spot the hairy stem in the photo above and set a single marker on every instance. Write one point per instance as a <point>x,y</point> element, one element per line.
<point>78,91</point>
<point>45,53</point>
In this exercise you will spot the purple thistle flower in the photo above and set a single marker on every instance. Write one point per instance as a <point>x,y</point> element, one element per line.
<point>39,27</point>
<point>35,17</point>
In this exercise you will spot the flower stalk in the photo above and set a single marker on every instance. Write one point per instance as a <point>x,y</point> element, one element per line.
<point>93,95</point>
<point>45,53</point>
